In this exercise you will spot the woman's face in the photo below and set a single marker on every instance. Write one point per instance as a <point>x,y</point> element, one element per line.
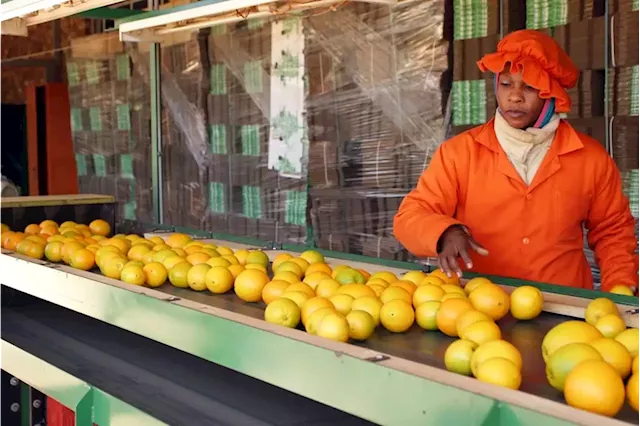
<point>519,103</point>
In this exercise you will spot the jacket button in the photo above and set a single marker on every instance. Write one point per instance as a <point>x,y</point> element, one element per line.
<point>529,196</point>
<point>525,241</point>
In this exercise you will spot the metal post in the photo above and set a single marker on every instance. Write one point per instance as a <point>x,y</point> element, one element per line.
<point>155,86</point>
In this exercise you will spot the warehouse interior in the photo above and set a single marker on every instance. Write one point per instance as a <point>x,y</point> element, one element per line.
<point>276,126</point>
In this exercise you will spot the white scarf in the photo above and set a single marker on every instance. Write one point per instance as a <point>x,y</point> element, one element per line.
<point>525,148</point>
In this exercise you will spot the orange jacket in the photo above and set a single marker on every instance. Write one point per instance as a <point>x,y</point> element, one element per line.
<point>531,232</point>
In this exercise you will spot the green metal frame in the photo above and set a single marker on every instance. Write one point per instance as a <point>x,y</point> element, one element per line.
<point>90,404</point>
<point>109,13</point>
<point>356,386</point>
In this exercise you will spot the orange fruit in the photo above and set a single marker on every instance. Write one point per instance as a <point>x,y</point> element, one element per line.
<point>192,249</point>
<point>178,274</point>
<point>568,332</point>
<point>5,237</point>
<point>318,267</point>
<point>160,247</point>
<point>274,290</point>
<point>615,354</point>
<point>349,276</point>
<point>315,318</point>
<point>501,372</point>
<point>490,299</point>
<point>337,269</point>
<point>342,303</point>
<point>249,285</point>
<point>180,252</point>
<point>48,224</point>
<point>304,288</point>
<point>370,304</point>
<point>22,246</point>
<point>112,266</point>
<point>82,259</point>
<point>395,293</point>
<point>178,240</point>
<point>36,239</point>
<point>134,263</point>
<point>415,277</point>
<point>13,239</point>
<point>199,257</point>
<point>378,281</point>
<point>453,279</point>
<point>448,314</point>
<point>312,305</point>
<point>35,250</point>
<point>526,302</point>
<point>431,279</point>
<point>133,274</point>
<point>257,257</point>
<point>474,283</point>
<point>481,332</point>
<point>450,288</point>
<point>596,387</point>
<point>161,255</point>
<point>314,278</point>
<point>495,349</point>
<point>68,223</point>
<point>599,307</point>
<point>32,229</point>
<point>287,276</point>
<point>427,315</point>
<point>629,338</point>
<point>632,391</point>
<point>235,270</point>
<point>100,227</point>
<point>610,325</point>
<point>635,367</point>
<point>148,257</point>
<point>364,273</point>
<point>68,249</point>
<point>621,289</point>
<point>333,326</point>
<point>290,266</point>
<point>297,296</point>
<point>407,285</point>
<point>219,280</point>
<point>388,277</point>
<point>469,317</point>
<point>156,274</point>
<point>279,259</point>
<point>356,290</point>
<point>312,257</point>
<point>426,293</point>
<point>397,316</point>
<point>241,256</point>
<point>212,261</point>
<point>171,261</point>
<point>223,251</point>
<point>327,288</point>
<point>103,251</point>
<point>361,325</point>
<point>282,311</point>
<point>377,289</point>
<point>231,259</point>
<point>303,264</point>
<point>53,251</point>
<point>457,357</point>
<point>122,244</point>
<point>255,267</point>
<point>196,276</point>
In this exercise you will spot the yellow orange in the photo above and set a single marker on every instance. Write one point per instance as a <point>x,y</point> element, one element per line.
<point>387,276</point>
<point>178,274</point>
<point>235,270</point>
<point>397,316</point>
<point>596,387</point>
<point>82,259</point>
<point>370,304</point>
<point>427,315</point>
<point>68,249</point>
<point>453,279</point>
<point>304,288</point>
<point>525,303</point>
<point>155,273</point>
<point>318,267</point>
<point>218,280</point>
<point>222,250</point>
<point>32,229</point>
<point>361,324</point>
<point>632,391</point>
<point>257,257</point>
<point>415,277</point>
<point>407,285</point>
<point>133,274</point>
<point>469,317</point>
<point>241,255</point>
<point>196,277</point>
<point>199,257</point>
<point>598,308</point>
<point>327,288</point>
<point>100,227</point>
<point>171,261</point>
<point>610,325</point>
<point>287,276</point>
<point>342,303</point>
<point>448,314</point>
<point>312,257</point>
<point>621,289</point>
<point>290,266</point>
<point>312,305</point>
<point>333,326</point>
<point>425,293</point>
<point>431,279</point>
<point>566,333</point>
<point>212,261</point>
<point>565,359</point>
<point>378,289</point>
<point>395,293</point>
<point>615,354</point>
<point>256,267</point>
<point>457,357</point>
<point>249,285</point>
<point>231,259</point>
<point>112,265</point>
<point>629,338</point>
<point>315,318</point>
<point>493,349</point>
<point>356,290</point>
<point>378,281</point>
<point>282,311</point>
<point>279,259</point>
<point>178,240</point>
<point>297,296</point>
<point>303,264</point>
<point>474,283</point>
<point>160,256</point>
<point>490,299</point>
<point>314,278</point>
<point>500,372</point>
<point>53,251</point>
<point>634,366</point>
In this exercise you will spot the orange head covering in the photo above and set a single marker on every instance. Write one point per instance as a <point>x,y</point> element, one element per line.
<point>543,63</point>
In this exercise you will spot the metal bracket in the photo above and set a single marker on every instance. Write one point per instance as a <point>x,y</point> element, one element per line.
<point>272,245</point>
<point>170,299</point>
<point>632,312</point>
<point>377,358</point>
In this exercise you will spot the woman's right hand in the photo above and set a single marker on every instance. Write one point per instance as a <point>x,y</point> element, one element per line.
<point>454,243</point>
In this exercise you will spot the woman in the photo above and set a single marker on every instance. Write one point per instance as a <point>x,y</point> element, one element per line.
<point>510,197</point>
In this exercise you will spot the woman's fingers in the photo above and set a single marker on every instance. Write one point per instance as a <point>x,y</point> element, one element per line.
<point>466,258</point>
<point>477,247</point>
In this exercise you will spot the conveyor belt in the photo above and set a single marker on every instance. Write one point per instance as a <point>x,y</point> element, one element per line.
<point>173,386</point>
<point>428,347</point>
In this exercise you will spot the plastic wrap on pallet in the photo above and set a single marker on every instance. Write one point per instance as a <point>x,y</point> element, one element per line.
<point>110,114</point>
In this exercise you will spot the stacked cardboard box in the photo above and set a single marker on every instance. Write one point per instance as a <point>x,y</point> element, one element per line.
<point>110,125</point>
<point>375,116</point>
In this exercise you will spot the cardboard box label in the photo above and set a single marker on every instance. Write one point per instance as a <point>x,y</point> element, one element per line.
<point>123,113</point>
<point>93,75</point>
<point>126,166</point>
<point>73,74</point>
<point>296,208</point>
<point>469,102</point>
<point>123,67</point>
<point>253,76</point>
<point>218,75</point>
<point>251,202</point>
<point>100,165</point>
<point>76,119</point>
<point>470,19</point>
<point>95,117</point>
<point>216,197</point>
<point>250,136</point>
<point>81,165</point>
<point>218,138</point>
